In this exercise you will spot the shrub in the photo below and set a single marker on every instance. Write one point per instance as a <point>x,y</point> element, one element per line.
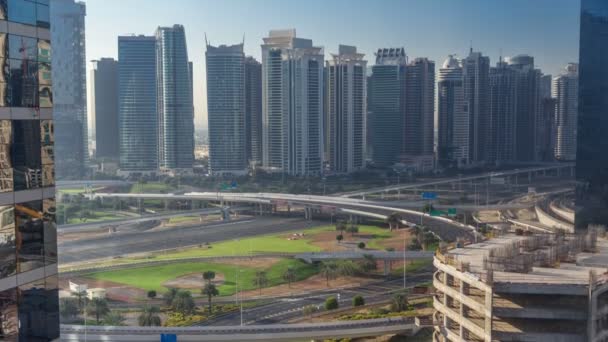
<point>331,303</point>
<point>361,245</point>
<point>358,300</point>
<point>151,294</point>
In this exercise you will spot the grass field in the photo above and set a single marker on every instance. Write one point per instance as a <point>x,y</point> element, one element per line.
<point>181,219</point>
<point>96,216</point>
<point>152,278</point>
<point>73,191</point>
<point>151,188</point>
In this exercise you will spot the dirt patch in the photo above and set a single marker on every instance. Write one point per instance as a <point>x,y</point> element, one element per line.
<point>253,263</point>
<point>114,291</point>
<point>327,241</point>
<point>193,281</point>
<point>316,282</point>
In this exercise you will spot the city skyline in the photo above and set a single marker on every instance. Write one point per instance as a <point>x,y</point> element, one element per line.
<point>420,29</point>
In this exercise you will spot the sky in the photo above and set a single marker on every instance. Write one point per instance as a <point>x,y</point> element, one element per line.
<point>545,29</point>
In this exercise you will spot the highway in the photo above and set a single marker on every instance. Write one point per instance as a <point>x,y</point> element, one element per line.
<point>122,243</point>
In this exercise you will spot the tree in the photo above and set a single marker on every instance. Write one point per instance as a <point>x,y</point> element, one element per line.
<point>428,208</point>
<point>339,238</point>
<point>81,296</point>
<point>68,308</point>
<point>309,310</point>
<point>393,220</point>
<point>149,317</point>
<point>151,294</point>
<point>352,230</point>
<point>340,226</point>
<point>98,307</point>
<point>114,318</point>
<point>399,302</point>
<point>368,263</point>
<point>169,296</point>
<point>358,300</point>
<point>361,245</point>
<point>208,276</point>
<point>331,303</point>
<point>289,275</point>
<point>183,302</point>
<point>260,280</point>
<point>347,268</point>
<point>210,291</point>
<point>329,270</point>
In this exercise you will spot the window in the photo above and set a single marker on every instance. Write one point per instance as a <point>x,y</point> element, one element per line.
<point>32,299</point>
<point>8,256</point>
<point>26,154</point>
<point>44,51</point>
<point>42,16</point>
<point>6,164</point>
<point>9,323</point>
<point>22,11</point>
<point>30,234</point>
<point>20,47</point>
<point>50,231</point>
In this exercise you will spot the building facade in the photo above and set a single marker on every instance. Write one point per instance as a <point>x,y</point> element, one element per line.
<point>565,92</point>
<point>292,104</point>
<point>591,156</point>
<point>104,103</point>
<point>253,110</point>
<point>419,121</point>
<point>29,302</point>
<point>346,110</point>
<point>502,118</point>
<point>174,101</point>
<point>476,69</point>
<point>387,105</point>
<point>226,109</point>
<point>453,116</point>
<point>137,113</point>
<point>69,87</point>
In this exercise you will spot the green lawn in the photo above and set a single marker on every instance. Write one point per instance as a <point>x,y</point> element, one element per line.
<point>151,188</point>
<point>152,278</point>
<point>73,191</point>
<point>181,219</point>
<point>96,216</point>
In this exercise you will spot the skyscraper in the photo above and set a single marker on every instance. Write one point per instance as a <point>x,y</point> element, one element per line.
<point>253,110</point>
<point>453,116</point>
<point>591,156</point>
<point>419,121</point>
<point>137,114</point>
<point>546,128</point>
<point>69,86</point>
<point>175,105</point>
<point>565,92</point>
<point>29,302</point>
<point>346,109</point>
<point>226,109</point>
<point>387,105</point>
<point>104,102</point>
<point>502,117</point>
<point>292,104</point>
<point>476,68</point>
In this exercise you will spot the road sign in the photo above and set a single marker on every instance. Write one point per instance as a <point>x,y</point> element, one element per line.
<point>437,212</point>
<point>452,212</point>
<point>429,195</point>
<point>168,338</point>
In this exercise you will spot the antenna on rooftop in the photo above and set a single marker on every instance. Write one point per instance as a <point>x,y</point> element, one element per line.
<point>206,42</point>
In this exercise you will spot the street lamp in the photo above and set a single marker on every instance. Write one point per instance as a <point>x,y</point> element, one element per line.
<point>404,263</point>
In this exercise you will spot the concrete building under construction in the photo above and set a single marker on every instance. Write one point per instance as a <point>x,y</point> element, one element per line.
<point>551,287</point>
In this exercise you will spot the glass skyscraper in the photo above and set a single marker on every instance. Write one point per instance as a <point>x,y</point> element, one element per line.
<point>137,115</point>
<point>29,304</point>
<point>591,156</point>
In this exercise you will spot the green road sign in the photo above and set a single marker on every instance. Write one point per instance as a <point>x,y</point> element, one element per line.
<point>452,212</point>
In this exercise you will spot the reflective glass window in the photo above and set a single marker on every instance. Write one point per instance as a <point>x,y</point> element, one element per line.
<point>48,175</point>
<point>9,323</point>
<point>26,154</point>
<point>46,2</point>
<point>30,236</point>
<point>44,50</point>
<point>3,44</point>
<point>4,70</point>
<point>52,307</point>
<point>32,299</point>
<point>3,9</point>
<point>8,256</point>
<point>45,96</point>
<point>6,164</point>
<point>4,95</point>
<point>20,47</point>
<point>42,16</point>
<point>50,231</point>
<point>44,73</point>
<point>22,11</point>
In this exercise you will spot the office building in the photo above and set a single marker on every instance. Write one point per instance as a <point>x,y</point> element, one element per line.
<point>502,118</point>
<point>174,101</point>
<point>545,124</point>
<point>226,109</point>
<point>522,288</point>
<point>292,104</point>
<point>453,116</point>
<point>69,87</point>
<point>346,109</point>
<point>591,156</point>
<point>418,140</point>
<point>387,105</point>
<point>253,110</point>
<point>104,103</point>
<point>29,302</point>
<point>565,92</point>
<point>476,68</point>
<point>137,114</point>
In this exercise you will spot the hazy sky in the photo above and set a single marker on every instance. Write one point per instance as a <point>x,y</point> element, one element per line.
<point>545,29</point>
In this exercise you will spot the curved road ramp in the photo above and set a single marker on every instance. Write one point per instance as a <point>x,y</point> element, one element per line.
<point>274,332</point>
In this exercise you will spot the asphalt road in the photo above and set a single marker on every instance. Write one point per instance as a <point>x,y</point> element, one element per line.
<point>127,242</point>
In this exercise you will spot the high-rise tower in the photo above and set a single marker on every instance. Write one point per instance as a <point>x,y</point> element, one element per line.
<point>104,102</point>
<point>565,92</point>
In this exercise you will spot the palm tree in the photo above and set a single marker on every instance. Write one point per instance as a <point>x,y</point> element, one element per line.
<point>260,280</point>
<point>208,276</point>
<point>68,309</point>
<point>183,302</point>
<point>340,226</point>
<point>347,268</point>
<point>289,275</point>
<point>329,270</point>
<point>114,318</point>
<point>210,291</point>
<point>169,296</point>
<point>98,307</point>
<point>82,297</point>
<point>149,317</point>
<point>393,221</point>
<point>369,263</point>
<point>399,302</point>
<point>309,310</point>
<point>352,230</point>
